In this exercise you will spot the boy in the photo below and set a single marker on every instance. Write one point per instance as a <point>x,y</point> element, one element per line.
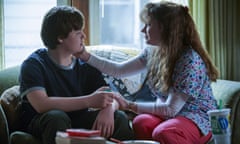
<point>58,89</point>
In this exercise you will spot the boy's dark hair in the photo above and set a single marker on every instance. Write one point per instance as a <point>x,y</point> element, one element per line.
<point>58,23</point>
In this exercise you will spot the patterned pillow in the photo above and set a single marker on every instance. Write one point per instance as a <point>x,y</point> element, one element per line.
<point>117,85</point>
<point>142,93</point>
<point>129,87</point>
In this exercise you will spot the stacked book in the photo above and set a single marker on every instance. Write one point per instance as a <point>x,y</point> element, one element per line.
<point>79,136</point>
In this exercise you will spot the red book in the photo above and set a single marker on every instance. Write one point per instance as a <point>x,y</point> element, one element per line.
<point>64,138</point>
<point>83,132</point>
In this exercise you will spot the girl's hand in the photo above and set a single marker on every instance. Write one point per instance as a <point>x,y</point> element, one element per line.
<point>83,55</point>
<point>123,103</point>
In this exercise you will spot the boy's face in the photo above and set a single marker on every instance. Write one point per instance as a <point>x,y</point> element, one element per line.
<point>74,42</point>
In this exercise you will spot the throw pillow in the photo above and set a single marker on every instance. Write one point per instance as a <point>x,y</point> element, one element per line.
<point>142,93</point>
<point>11,104</point>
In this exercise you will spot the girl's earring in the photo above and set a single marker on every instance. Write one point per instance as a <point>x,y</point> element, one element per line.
<point>60,40</point>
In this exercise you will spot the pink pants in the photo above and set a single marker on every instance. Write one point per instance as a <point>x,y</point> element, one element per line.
<point>178,130</point>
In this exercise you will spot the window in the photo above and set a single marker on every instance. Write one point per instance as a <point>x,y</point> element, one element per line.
<point>112,22</point>
<point>22,22</point>
<point>117,22</point>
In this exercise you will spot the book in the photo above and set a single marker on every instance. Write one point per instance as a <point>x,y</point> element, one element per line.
<point>83,132</point>
<point>64,138</point>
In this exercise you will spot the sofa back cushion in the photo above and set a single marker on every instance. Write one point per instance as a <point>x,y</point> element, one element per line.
<point>11,104</point>
<point>9,77</point>
<point>225,90</point>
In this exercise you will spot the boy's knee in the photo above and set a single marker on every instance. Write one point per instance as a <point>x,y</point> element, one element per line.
<point>121,119</point>
<point>122,130</point>
<point>56,118</point>
<point>120,115</point>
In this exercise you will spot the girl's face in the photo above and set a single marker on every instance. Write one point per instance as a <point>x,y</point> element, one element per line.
<point>152,32</point>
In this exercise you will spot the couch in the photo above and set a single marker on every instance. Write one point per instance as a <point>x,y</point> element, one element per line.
<point>10,103</point>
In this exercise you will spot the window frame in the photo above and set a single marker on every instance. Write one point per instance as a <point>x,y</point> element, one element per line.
<point>2,50</point>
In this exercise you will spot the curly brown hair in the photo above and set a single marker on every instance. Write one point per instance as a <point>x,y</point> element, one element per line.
<point>178,33</point>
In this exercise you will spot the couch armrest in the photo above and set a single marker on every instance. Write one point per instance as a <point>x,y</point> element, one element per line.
<point>229,92</point>
<point>11,105</point>
<point>4,132</point>
<point>235,118</point>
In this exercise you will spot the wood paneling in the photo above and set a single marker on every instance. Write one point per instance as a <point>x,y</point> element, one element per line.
<point>83,6</point>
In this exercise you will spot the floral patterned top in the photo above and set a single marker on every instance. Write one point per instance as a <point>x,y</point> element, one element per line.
<point>190,77</point>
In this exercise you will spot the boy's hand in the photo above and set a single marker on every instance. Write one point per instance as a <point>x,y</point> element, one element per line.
<point>105,122</point>
<point>101,98</point>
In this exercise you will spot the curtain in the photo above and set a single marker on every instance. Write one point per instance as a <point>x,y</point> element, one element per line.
<point>1,35</point>
<point>217,22</point>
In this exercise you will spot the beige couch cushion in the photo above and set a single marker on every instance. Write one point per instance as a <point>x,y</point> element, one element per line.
<point>225,90</point>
